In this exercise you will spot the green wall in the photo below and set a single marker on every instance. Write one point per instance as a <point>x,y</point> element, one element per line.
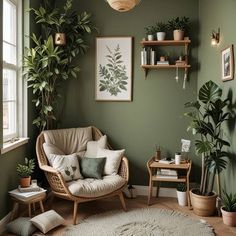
<point>154,115</point>
<point>214,14</point>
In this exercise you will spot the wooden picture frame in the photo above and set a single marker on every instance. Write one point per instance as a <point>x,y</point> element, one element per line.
<point>113,69</point>
<point>227,63</point>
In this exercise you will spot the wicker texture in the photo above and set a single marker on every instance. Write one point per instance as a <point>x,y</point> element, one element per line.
<point>57,183</point>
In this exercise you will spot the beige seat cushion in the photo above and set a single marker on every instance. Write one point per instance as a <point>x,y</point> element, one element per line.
<point>69,141</point>
<point>95,187</point>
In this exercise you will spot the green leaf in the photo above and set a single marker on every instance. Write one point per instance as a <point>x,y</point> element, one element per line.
<point>209,92</point>
<point>203,146</point>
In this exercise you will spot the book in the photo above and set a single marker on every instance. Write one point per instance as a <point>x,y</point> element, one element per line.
<point>168,172</point>
<point>144,57</point>
<point>166,161</point>
<point>26,195</point>
<point>29,189</point>
<point>167,176</point>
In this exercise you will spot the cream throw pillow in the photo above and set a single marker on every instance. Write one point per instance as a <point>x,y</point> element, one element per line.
<point>113,159</point>
<point>51,149</point>
<point>68,165</point>
<point>47,221</point>
<point>92,146</point>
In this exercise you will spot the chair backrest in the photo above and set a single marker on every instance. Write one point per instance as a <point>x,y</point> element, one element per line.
<point>71,140</point>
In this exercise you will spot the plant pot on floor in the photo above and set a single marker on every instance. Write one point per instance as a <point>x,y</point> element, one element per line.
<point>203,205</point>
<point>25,181</point>
<point>182,198</point>
<point>229,218</point>
<point>161,36</point>
<point>178,35</point>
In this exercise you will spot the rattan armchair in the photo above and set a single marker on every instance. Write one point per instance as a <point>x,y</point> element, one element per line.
<point>58,185</point>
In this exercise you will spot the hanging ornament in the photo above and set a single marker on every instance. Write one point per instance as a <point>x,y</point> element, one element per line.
<point>177,74</point>
<point>60,39</point>
<point>185,78</point>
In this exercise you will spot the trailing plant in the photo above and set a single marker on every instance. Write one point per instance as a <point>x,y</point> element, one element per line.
<point>207,118</point>
<point>27,169</point>
<point>150,30</point>
<point>114,73</point>
<point>181,187</point>
<point>229,201</point>
<point>179,23</point>
<point>47,65</point>
<point>160,27</point>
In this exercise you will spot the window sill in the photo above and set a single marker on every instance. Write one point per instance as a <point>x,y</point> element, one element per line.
<point>8,146</point>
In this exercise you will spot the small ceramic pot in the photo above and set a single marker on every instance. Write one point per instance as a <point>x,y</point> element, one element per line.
<point>150,37</point>
<point>161,36</point>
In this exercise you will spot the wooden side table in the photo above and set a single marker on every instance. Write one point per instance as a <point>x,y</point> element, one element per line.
<point>38,198</point>
<point>152,167</point>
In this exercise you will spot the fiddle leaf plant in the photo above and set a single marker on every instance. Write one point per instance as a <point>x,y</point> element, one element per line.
<point>113,75</point>
<point>46,65</point>
<point>208,115</point>
<point>27,169</point>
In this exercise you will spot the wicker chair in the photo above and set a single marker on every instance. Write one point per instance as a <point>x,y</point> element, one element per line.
<point>59,186</point>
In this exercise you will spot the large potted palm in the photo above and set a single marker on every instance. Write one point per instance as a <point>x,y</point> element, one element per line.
<point>207,118</point>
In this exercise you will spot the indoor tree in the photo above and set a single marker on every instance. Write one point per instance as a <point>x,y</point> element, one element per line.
<point>207,119</point>
<point>46,65</point>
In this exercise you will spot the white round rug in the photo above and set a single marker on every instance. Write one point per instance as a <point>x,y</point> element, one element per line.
<point>140,222</point>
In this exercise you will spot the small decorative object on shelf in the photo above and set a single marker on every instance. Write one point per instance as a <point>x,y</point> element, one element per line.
<point>60,39</point>
<point>161,29</point>
<point>150,31</point>
<point>158,153</point>
<point>177,158</point>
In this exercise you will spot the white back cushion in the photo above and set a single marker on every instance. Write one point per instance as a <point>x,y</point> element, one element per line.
<point>92,146</point>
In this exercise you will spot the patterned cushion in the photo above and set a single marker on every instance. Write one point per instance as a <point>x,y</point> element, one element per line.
<point>47,221</point>
<point>96,187</point>
<point>21,226</point>
<point>68,165</point>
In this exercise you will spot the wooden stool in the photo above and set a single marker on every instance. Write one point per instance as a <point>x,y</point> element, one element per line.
<point>29,202</point>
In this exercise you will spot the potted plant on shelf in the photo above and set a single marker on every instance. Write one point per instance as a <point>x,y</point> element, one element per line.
<point>150,31</point>
<point>24,171</point>
<point>179,25</point>
<point>229,209</point>
<point>182,194</point>
<point>161,30</point>
<point>206,120</point>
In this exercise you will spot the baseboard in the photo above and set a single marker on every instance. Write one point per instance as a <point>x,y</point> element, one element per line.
<point>3,222</point>
<point>163,192</point>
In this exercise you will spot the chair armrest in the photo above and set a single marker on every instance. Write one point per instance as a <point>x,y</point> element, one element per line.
<point>124,168</point>
<point>55,179</point>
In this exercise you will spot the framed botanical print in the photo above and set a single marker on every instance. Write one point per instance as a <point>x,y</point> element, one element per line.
<point>227,63</point>
<point>113,69</point>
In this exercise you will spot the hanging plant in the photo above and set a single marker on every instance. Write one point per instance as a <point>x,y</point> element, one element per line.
<point>46,65</point>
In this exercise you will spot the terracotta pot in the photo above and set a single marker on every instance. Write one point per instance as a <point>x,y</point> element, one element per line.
<point>25,182</point>
<point>203,205</point>
<point>229,218</point>
<point>178,35</point>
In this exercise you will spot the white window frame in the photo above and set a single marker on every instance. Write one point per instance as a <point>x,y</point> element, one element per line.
<point>21,88</point>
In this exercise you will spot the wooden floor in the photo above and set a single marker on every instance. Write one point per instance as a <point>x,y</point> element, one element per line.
<point>85,210</point>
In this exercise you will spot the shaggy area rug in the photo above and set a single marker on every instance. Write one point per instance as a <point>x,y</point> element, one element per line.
<point>140,222</point>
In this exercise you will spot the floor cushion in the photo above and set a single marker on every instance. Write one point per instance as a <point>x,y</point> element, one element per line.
<point>95,187</point>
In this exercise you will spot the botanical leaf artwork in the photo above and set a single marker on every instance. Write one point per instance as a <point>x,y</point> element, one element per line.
<point>114,74</point>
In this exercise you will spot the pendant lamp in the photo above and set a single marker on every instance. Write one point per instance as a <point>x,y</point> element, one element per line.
<point>123,5</point>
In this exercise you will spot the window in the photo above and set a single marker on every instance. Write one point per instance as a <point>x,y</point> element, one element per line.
<point>12,76</point>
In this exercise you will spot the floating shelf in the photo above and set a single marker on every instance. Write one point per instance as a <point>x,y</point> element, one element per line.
<point>166,43</point>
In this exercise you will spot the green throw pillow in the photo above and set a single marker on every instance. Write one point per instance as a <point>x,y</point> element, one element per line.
<point>92,167</point>
<point>21,226</point>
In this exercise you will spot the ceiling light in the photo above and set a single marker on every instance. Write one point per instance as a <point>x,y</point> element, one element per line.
<point>123,5</point>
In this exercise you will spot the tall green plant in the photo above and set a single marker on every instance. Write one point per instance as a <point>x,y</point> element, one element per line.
<point>47,65</point>
<point>207,118</point>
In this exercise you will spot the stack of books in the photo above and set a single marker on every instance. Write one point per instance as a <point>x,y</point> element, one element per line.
<point>26,195</point>
<point>166,161</point>
<point>148,56</point>
<point>167,173</point>
<point>180,63</point>
<point>162,63</point>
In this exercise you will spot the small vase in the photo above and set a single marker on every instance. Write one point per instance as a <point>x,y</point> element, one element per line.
<point>161,36</point>
<point>178,35</point>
